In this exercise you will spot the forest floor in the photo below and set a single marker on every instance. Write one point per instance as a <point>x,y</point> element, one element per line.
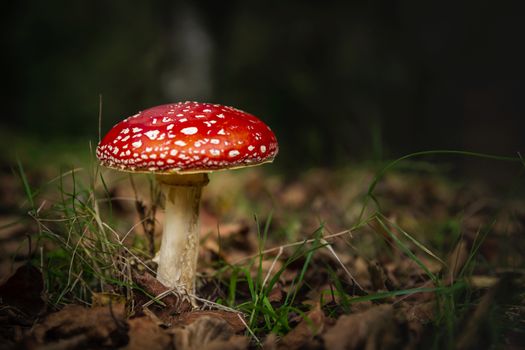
<point>322,261</point>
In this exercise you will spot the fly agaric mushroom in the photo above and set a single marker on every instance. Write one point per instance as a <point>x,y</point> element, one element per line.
<point>181,143</point>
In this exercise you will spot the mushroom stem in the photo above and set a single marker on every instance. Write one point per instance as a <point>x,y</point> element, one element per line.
<point>179,249</point>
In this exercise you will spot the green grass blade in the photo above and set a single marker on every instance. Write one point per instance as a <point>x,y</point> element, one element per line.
<point>25,183</point>
<point>413,240</point>
<point>406,250</point>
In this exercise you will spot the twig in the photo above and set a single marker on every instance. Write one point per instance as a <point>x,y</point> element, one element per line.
<point>130,252</point>
<point>289,245</point>
<point>249,329</point>
<point>272,266</point>
<point>121,241</point>
<point>147,216</point>
<point>329,247</point>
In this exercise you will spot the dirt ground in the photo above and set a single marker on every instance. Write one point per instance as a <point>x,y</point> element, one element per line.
<point>430,262</point>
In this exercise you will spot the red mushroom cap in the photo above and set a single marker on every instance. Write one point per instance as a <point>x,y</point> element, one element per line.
<point>187,137</point>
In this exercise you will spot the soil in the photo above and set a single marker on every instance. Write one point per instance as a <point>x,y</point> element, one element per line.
<point>440,254</point>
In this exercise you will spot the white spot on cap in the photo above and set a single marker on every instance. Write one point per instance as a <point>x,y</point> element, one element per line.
<point>215,152</point>
<point>180,143</point>
<point>125,131</point>
<point>189,131</point>
<point>166,119</point>
<point>137,144</point>
<point>250,148</point>
<point>149,149</point>
<point>152,134</point>
<point>263,148</point>
<point>174,152</point>
<point>200,116</point>
<point>206,110</point>
<point>215,141</point>
<point>169,127</point>
<point>233,153</point>
<point>221,132</point>
<point>170,161</point>
<point>220,116</point>
<point>135,130</point>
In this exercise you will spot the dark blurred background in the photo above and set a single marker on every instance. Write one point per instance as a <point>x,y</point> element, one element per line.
<point>337,81</point>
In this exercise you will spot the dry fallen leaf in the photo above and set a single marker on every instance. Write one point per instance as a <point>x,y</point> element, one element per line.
<point>208,333</point>
<point>77,327</point>
<point>479,281</point>
<point>375,328</point>
<point>231,318</point>
<point>456,260</point>
<point>418,315</point>
<point>270,342</point>
<point>303,334</point>
<point>145,334</point>
<point>173,303</point>
<point>106,298</point>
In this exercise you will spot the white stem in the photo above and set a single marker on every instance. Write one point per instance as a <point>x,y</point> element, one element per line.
<point>179,249</point>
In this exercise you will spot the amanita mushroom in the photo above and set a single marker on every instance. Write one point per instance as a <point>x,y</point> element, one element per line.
<point>181,143</point>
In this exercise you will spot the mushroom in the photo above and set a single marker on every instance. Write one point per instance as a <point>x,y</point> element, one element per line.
<point>181,143</point>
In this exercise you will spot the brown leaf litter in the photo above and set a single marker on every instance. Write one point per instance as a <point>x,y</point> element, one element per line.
<point>375,328</point>
<point>208,333</point>
<point>77,327</point>
<point>173,303</point>
<point>303,335</point>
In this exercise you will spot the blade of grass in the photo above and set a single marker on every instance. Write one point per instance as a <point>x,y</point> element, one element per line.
<point>25,183</point>
<point>413,240</point>
<point>407,250</point>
